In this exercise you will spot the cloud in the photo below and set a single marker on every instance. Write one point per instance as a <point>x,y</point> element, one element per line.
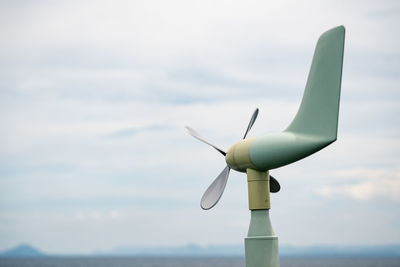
<point>128,132</point>
<point>94,97</point>
<point>364,184</point>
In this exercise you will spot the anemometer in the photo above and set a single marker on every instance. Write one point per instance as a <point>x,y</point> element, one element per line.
<point>313,128</point>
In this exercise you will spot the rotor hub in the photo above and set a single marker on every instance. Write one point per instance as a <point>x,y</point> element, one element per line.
<point>238,156</point>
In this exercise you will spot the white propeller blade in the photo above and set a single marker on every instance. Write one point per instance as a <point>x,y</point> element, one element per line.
<point>252,120</point>
<point>198,137</point>
<point>215,190</point>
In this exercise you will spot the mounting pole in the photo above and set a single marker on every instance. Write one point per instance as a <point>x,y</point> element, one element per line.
<point>261,244</point>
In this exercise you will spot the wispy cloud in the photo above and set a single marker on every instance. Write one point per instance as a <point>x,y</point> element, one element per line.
<point>364,184</point>
<point>94,97</point>
<point>129,132</point>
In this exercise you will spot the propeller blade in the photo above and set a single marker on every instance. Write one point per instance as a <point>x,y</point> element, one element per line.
<point>198,137</point>
<point>215,190</point>
<point>274,185</point>
<point>252,120</point>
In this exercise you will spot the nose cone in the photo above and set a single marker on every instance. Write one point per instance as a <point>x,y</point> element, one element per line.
<point>238,156</point>
<point>229,157</point>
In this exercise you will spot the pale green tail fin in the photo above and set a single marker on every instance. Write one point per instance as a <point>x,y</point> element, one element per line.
<point>319,109</point>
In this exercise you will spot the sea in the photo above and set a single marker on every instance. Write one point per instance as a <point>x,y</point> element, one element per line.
<point>193,262</point>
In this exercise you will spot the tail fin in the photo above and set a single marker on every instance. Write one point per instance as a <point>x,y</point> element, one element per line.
<point>319,109</point>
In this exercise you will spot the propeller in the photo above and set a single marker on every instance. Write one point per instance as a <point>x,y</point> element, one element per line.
<point>214,191</point>
<point>198,137</point>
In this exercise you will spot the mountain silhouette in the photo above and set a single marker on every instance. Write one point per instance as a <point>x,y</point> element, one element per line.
<point>23,250</point>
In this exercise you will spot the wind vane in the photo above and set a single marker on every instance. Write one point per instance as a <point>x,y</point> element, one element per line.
<point>313,128</point>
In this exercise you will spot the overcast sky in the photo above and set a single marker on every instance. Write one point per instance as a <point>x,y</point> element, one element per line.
<point>94,96</point>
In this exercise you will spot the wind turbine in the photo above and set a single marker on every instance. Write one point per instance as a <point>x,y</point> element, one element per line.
<point>313,128</point>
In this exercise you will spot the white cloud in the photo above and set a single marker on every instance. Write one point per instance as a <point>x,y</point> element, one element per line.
<point>75,75</point>
<point>365,184</point>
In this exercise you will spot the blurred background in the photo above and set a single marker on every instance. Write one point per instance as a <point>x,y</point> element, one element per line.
<point>94,97</point>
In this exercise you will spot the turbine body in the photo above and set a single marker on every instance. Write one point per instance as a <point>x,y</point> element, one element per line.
<point>273,151</point>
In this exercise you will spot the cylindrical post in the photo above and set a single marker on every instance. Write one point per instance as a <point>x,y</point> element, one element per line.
<point>258,188</point>
<point>261,244</point>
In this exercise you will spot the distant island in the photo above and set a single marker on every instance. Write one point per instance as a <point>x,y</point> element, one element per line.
<point>26,250</point>
<point>20,251</point>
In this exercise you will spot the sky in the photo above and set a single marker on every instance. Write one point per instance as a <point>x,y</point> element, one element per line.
<point>94,97</point>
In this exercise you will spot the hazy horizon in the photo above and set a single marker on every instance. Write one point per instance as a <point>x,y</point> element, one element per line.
<point>392,251</point>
